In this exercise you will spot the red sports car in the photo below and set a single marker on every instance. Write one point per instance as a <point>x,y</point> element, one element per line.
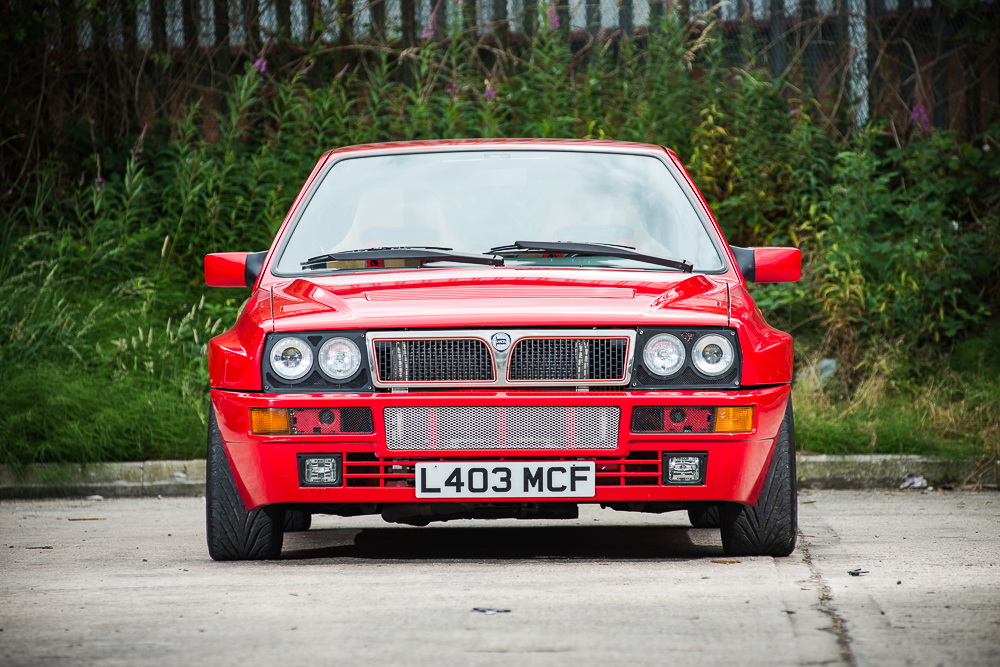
<point>500,328</point>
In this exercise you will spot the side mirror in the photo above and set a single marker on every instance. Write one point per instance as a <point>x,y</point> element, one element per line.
<point>769,265</point>
<point>233,269</point>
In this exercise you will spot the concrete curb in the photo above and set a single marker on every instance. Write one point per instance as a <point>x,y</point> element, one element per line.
<point>879,471</point>
<point>111,480</point>
<point>187,478</point>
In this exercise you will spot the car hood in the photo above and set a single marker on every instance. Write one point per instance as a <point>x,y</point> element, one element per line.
<point>499,297</point>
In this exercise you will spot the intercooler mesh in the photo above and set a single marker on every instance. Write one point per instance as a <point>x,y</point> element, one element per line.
<point>501,428</point>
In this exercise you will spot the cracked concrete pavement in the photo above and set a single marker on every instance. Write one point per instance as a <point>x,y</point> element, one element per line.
<point>128,581</point>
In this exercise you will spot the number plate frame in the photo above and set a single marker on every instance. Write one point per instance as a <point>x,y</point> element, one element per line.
<point>490,480</point>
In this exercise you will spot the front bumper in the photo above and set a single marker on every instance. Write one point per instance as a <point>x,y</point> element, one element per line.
<point>267,472</point>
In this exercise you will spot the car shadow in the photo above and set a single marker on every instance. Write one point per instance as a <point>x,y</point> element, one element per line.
<point>507,543</point>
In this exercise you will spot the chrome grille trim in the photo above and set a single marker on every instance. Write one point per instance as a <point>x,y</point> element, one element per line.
<point>514,428</point>
<point>466,358</point>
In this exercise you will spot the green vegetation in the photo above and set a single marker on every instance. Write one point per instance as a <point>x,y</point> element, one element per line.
<point>935,403</point>
<point>104,317</point>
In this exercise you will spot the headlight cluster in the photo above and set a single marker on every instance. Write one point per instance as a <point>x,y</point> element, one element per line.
<point>711,354</point>
<point>291,358</point>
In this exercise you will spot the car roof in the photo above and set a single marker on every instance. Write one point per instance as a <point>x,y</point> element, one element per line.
<point>448,144</point>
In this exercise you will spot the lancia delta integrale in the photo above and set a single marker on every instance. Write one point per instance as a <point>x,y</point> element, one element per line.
<point>494,329</point>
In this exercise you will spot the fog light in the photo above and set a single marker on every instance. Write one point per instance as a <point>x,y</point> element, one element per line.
<point>684,468</point>
<point>319,469</point>
<point>734,420</point>
<point>269,421</point>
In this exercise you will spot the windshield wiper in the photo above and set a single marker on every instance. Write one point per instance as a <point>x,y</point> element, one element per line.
<point>596,250</point>
<point>423,253</point>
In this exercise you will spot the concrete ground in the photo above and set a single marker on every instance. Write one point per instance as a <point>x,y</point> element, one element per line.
<point>128,581</point>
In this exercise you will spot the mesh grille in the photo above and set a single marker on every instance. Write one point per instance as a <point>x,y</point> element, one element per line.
<point>508,428</point>
<point>433,360</point>
<point>315,381</point>
<point>667,419</point>
<point>569,359</point>
<point>687,378</point>
<point>310,421</point>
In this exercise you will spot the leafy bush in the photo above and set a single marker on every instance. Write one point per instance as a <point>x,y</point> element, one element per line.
<point>104,322</point>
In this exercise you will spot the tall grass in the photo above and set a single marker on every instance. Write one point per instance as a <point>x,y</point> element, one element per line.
<point>104,318</point>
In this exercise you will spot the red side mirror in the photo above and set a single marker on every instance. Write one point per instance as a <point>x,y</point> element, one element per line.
<point>777,265</point>
<point>769,265</point>
<point>226,269</point>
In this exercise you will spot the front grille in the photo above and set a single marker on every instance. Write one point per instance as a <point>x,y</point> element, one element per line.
<point>433,360</point>
<point>568,359</point>
<point>501,428</point>
<point>361,469</point>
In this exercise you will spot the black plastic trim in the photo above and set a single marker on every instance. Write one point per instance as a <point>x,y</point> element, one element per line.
<point>253,266</point>
<point>746,262</point>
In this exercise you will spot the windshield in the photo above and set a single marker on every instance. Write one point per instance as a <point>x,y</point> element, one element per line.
<point>476,200</point>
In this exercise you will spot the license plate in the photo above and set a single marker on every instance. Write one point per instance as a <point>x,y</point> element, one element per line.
<point>565,479</point>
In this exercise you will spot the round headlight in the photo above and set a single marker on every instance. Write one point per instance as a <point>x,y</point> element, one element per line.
<point>339,358</point>
<point>664,354</point>
<point>291,358</point>
<point>713,354</point>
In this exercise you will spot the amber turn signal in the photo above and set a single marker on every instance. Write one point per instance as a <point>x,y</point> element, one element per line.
<point>734,420</point>
<point>269,421</point>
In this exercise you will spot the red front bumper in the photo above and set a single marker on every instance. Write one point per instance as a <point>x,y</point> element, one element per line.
<point>266,467</point>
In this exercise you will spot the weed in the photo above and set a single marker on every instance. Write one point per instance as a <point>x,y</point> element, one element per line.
<point>104,319</point>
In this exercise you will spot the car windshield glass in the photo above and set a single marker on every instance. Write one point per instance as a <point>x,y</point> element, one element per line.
<point>472,201</point>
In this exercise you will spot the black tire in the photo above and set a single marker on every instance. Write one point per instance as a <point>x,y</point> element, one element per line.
<point>297,521</point>
<point>770,527</point>
<point>233,532</point>
<point>704,516</point>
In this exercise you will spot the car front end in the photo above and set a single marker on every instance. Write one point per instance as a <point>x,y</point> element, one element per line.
<point>425,389</point>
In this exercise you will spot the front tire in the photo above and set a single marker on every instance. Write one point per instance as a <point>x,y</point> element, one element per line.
<point>770,527</point>
<point>233,532</point>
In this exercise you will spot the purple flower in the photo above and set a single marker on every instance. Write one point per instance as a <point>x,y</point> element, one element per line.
<point>429,27</point>
<point>919,117</point>
<point>137,148</point>
<point>452,89</point>
<point>490,94</point>
<point>99,183</point>
<point>260,65</point>
<point>553,16</point>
